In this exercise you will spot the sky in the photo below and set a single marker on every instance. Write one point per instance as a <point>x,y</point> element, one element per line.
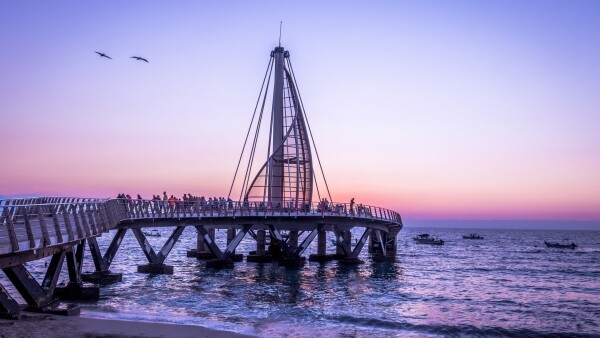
<point>463,110</point>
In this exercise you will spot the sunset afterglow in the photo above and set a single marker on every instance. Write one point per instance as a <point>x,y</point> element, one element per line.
<point>485,111</point>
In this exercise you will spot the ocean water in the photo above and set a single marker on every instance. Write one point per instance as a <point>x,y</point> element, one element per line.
<point>508,284</point>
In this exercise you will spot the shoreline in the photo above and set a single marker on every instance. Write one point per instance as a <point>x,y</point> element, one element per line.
<point>46,325</point>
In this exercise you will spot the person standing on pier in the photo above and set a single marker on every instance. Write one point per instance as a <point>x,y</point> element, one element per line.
<point>165,201</point>
<point>352,206</point>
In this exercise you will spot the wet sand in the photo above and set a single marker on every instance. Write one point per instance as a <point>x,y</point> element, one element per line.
<point>44,325</point>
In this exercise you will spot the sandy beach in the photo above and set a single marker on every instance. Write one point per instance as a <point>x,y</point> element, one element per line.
<point>44,325</point>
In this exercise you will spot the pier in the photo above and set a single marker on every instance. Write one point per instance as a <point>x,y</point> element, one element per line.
<point>275,208</point>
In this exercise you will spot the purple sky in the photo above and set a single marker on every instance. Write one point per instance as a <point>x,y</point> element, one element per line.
<point>438,110</point>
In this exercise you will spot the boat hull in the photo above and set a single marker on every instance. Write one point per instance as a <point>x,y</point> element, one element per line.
<point>560,246</point>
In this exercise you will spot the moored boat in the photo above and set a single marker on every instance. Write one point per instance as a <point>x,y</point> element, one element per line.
<point>153,233</point>
<point>472,236</point>
<point>560,245</point>
<point>426,239</point>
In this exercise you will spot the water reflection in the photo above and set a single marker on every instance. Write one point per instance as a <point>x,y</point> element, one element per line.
<point>387,271</point>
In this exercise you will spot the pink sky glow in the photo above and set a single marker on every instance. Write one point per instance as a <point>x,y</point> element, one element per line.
<point>440,111</point>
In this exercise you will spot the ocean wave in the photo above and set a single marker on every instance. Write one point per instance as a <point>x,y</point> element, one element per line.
<point>452,330</point>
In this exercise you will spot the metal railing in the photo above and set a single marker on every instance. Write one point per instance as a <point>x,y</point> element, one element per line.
<point>139,209</point>
<point>35,223</point>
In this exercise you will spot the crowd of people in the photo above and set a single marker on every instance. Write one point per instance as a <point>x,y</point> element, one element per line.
<point>188,202</point>
<point>191,203</point>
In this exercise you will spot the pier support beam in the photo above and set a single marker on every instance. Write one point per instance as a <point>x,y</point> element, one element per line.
<point>231,233</point>
<point>200,246</point>
<point>322,243</point>
<point>380,247</point>
<point>156,261</point>
<point>292,257</point>
<point>260,256</point>
<point>9,308</point>
<point>39,298</point>
<point>224,259</point>
<point>293,240</point>
<point>352,258</point>
<point>343,242</point>
<point>204,252</point>
<point>102,274</point>
<point>321,255</point>
<point>260,242</point>
<point>76,290</point>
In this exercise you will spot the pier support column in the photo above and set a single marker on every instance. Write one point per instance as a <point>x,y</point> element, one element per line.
<point>381,252</point>
<point>76,290</point>
<point>40,297</point>
<point>260,242</point>
<point>205,253</point>
<point>156,261</point>
<point>338,249</point>
<point>9,308</point>
<point>293,240</point>
<point>322,243</point>
<point>321,255</point>
<point>260,256</point>
<point>225,258</point>
<point>103,275</point>
<point>230,237</point>
<point>200,246</point>
<point>346,238</point>
<point>352,257</point>
<point>291,251</point>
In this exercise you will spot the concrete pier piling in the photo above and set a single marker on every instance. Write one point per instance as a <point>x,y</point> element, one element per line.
<point>73,291</point>
<point>260,255</point>
<point>200,246</point>
<point>203,252</point>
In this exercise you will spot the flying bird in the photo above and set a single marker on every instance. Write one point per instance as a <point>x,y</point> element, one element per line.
<point>103,55</point>
<point>139,58</point>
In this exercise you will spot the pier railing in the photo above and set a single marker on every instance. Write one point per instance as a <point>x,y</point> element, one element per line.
<point>36,223</point>
<point>138,209</point>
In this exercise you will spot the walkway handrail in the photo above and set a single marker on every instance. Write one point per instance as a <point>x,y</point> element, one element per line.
<point>37,223</point>
<point>34,223</point>
<point>142,209</point>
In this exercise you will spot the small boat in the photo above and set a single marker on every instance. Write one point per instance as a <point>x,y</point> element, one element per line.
<point>472,236</point>
<point>560,245</point>
<point>426,239</point>
<point>153,233</point>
